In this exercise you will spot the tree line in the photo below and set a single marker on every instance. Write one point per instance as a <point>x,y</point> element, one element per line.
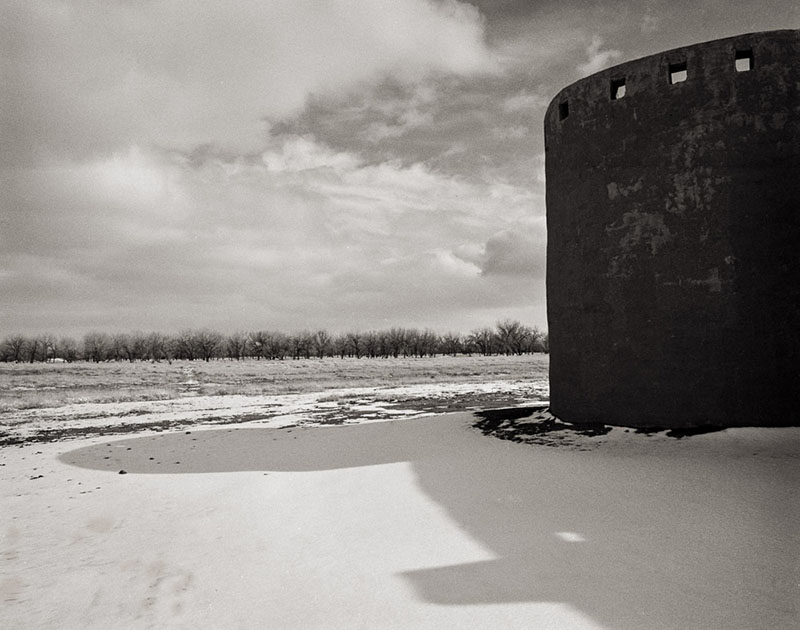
<point>508,337</point>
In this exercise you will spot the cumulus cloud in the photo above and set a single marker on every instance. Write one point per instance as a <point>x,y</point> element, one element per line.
<point>302,153</point>
<point>524,101</point>
<point>519,252</point>
<point>597,57</point>
<point>97,75</point>
<point>410,119</point>
<point>293,163</point>
<point>401,112</point>
<point>301,235</point>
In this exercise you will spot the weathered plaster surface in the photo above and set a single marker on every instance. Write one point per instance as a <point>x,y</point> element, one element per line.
<point>673,225</point>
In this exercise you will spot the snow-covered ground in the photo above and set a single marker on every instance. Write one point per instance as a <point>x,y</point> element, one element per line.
<point>418,522</point>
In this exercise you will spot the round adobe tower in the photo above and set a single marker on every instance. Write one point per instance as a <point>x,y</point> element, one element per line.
<point>673,217</point>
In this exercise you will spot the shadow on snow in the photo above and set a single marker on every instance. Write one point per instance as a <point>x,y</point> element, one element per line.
<point>639,539</point>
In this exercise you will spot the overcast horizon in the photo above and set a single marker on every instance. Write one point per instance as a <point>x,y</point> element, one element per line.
<point>296,165</point>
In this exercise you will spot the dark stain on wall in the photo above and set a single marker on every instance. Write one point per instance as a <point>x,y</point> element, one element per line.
<point>673,217</point>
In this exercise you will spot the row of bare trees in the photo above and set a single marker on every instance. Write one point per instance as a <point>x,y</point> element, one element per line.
<point>508,337</point>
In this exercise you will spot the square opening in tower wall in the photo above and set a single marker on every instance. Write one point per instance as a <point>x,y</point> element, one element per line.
<point>744,60</point>
<point>617,89</point>
<point>563,110</point>
<point>678,72</point>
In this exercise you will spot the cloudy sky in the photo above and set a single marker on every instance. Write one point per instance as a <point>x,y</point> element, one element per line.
<point>293,164</point>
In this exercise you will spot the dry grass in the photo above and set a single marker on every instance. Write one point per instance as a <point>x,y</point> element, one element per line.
<point>28,386</point>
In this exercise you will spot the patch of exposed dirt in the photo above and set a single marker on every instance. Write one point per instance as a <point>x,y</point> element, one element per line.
<point>542,428</point>
<point>328,407</point>
<point>70,433</point>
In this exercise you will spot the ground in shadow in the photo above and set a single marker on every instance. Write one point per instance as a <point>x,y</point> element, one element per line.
<point>542,428</point>
<point>660,535</point>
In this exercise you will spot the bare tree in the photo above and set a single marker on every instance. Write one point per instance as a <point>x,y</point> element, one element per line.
<point>294,345</point>
<point>510,336</point>
<point>532,338</point>
<point>236,345</point>
<point>31,349</point>
<point>321,342</point>
<point>95,346</point>
<point>300,345</point>
<point>183,345</point>
<point>370,342</point>
<point>396,340</point>
<point>258,343</point>
<point>277,345</point>
<point>545,342</point>
<point>46,347</point>
<point>116,347</point>
<point>128,346</point>
<point>451,343</point>
<point>354,344</point>
<point>67,349</point>
<point>483,339</point>
<point>14,348</point>
<point>412,342</point>
<point>206,343</point>
<point>156,346</point>
<point>340,345</point>
<point>138,347</point>
<point>430,342</point>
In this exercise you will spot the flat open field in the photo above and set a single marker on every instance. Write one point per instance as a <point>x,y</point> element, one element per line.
<point>389,520</point>
<point>411,524</point>
<point>41,402</point>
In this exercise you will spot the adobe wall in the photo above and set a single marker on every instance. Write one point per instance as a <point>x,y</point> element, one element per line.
<point>673,258</point>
